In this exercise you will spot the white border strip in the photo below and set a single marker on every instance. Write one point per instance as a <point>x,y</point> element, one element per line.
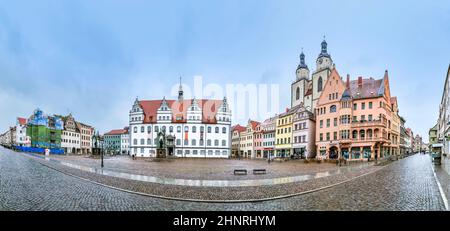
<point>441,191</point>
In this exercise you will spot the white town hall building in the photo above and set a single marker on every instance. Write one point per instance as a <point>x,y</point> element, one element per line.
<point>199,127</point>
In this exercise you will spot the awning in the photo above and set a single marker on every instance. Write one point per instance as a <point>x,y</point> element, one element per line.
<point>437,145</point>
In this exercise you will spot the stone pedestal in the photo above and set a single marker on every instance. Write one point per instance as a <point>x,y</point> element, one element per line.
<point>160,153</point>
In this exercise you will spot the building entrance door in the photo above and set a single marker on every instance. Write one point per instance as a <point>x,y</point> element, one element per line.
<point>334,152</point>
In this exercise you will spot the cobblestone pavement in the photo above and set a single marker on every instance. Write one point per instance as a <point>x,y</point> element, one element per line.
<point>280,188</point>
<point>204,169</point>
<point>407,184</point>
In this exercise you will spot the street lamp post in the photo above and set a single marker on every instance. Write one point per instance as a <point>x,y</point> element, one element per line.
<point>102,150</point>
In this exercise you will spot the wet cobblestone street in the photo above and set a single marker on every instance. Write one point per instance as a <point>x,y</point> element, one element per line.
<point>407,184</point>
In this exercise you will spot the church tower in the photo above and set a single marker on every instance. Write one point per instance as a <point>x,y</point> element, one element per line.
<point>324,65</point>
<point>299,86</point>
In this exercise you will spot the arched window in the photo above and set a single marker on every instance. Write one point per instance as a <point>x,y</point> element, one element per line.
<point>216,129</point>
<point>297,93</point>
<point>224,130</point>
<point>333,108</point>
<point>135,141</point>
<point>149,141</point>
<point>319,84</point>
<point>355,134</point>
<point>142,142</point>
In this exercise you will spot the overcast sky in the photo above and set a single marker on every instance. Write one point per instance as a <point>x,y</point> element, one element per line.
<point>92,58</point>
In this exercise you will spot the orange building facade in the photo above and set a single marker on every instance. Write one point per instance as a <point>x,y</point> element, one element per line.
<point>357,119</point>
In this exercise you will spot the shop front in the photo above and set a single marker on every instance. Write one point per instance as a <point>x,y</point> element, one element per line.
<point>300,152</point>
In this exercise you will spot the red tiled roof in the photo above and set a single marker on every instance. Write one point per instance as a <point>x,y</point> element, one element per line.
<point>254,124</point>
<point>117,132</point>
<point>369,88</point>
<point>309,91</point>
<point>238,128</point>
<point>209,107</point>
<point>22,121</point>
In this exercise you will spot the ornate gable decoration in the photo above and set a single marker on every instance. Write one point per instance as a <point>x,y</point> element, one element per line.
<point>194,105</point>
<point>224,106</point>
<point>164,105</point>
<point>136,106</point>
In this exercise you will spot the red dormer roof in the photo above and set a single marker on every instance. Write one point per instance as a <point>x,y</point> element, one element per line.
<point>179,110</point>
<point>22,121</point>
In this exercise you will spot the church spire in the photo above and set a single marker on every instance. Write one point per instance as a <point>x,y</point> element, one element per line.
<point>302,61</point>
<point>324,52</point>
<point>180,92</point>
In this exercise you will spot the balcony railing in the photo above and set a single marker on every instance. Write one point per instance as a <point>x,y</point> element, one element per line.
<point>367,123</point>
<point>362,139</point>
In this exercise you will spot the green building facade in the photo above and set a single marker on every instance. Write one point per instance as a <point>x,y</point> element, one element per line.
<point>44,131</point>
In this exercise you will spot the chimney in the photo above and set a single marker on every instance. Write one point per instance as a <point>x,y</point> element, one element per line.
<point>347,84</point>
<point>360,81</point>
<point>287,109</point>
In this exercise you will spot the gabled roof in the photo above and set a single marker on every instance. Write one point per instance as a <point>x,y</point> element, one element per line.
<point>254,124</point>
<point>179,109</point>
<point>22,121</point>
<point>434,127</point>
<point>309,88</point>
<point>369,88</point>
<point>116,132</point>
<point>238,128</point>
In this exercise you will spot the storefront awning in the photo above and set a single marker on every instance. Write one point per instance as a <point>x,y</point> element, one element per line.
<point>437,145</point>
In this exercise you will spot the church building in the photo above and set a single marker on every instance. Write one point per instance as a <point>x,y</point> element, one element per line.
<point>306,90</point>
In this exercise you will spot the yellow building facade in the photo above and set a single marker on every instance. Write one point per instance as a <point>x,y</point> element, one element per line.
<point>283,134</point>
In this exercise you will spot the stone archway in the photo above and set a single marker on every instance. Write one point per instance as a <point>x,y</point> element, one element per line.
<point>333,152</point>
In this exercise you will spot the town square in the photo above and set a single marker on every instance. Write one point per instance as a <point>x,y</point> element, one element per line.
<point>296,115</point>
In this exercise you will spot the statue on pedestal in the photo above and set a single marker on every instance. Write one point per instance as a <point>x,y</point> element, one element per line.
<point>161,149</point>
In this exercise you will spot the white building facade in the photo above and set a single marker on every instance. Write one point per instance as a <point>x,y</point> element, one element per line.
<point>21,133</point>
<point>125,142</point>
<point>269,127</point>
<point>443,127</point>
<point>303,133</point>
<point>200,128</point>
<point>70,136</point>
